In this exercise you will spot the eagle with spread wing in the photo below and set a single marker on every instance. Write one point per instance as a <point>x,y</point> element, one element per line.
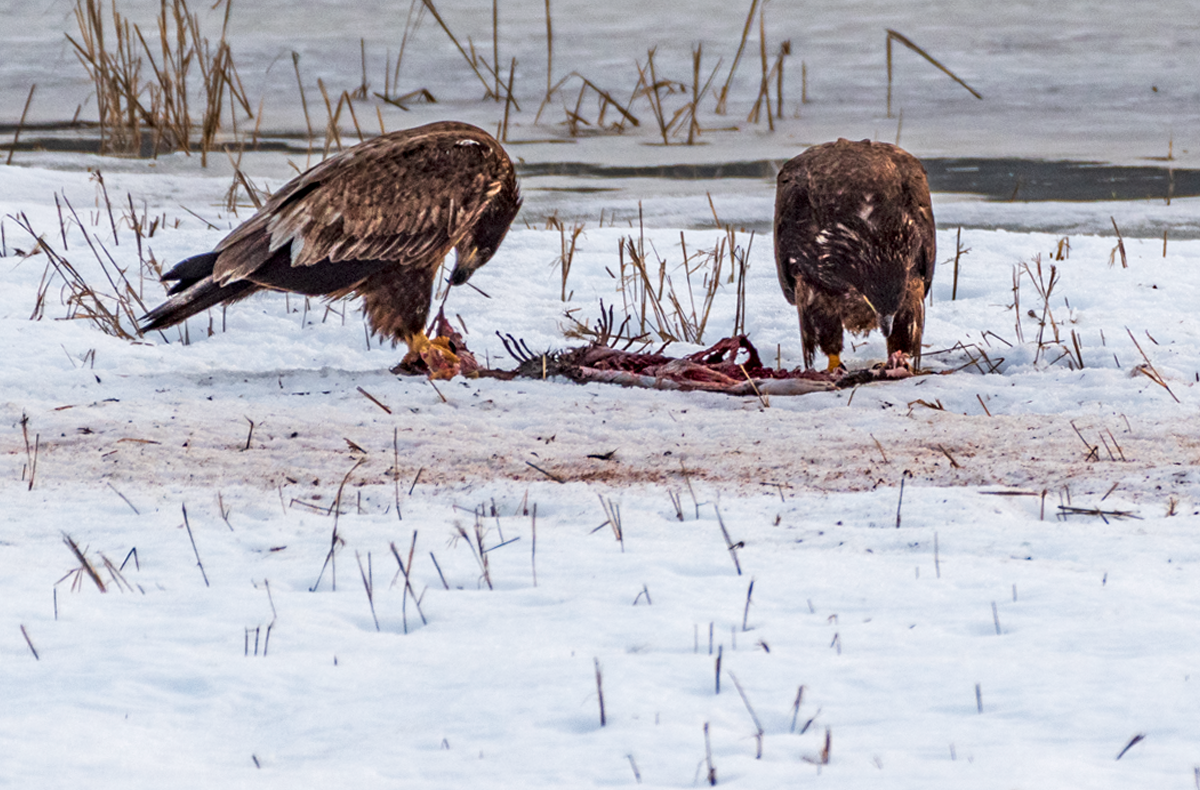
<point>375,221</point>
<point>855,245</point>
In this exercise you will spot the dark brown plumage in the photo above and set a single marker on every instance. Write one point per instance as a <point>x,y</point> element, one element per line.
<point>855,244</point>
<point>376,221</point>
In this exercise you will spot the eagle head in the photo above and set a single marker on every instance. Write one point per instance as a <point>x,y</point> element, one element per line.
<point>483,239</point>
<point>883,287</point>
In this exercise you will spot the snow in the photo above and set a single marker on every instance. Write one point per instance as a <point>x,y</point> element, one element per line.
<point>162,682</point>
<point>919,561</point>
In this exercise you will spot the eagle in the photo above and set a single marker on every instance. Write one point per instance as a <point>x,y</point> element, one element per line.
<point>375,221</point>
<point>855,245</point>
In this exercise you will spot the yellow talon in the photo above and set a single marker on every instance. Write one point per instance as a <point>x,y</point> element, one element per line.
<point>835,362</point>
<point>416,344</point>
<point>437,355</point>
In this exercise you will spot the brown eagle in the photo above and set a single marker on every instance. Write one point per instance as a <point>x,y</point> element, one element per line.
<point>375,221</point>
<point>855,245</point>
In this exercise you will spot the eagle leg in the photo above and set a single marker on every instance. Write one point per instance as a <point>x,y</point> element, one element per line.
<point>909,322</point>
<point>820,324</point>
<point>438,357</point>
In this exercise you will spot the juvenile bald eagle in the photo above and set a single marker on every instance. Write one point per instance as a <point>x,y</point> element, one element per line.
<point>855,245</point>
<point>376,221</point>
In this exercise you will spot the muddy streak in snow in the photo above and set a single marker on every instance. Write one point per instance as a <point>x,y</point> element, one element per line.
<point>304,442</point>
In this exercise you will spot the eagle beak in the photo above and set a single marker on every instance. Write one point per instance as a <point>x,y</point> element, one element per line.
<point>885,324</point>
<point>465,265</point>
<point>885,321</point>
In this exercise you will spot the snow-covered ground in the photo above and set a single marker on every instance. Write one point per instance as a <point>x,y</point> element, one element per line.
<point>979,577</point>
<point>890,631</point>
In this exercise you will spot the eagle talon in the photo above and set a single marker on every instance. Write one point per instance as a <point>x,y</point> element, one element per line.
<point>434,357</point>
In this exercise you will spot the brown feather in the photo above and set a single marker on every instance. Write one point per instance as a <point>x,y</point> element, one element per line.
<point>855,243</point>
<point>376,219</point>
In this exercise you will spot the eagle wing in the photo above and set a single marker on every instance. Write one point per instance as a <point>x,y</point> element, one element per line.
<point>820,205</point>
<point>804,207</point>
<point>403,198</point>
<point>920,208</point>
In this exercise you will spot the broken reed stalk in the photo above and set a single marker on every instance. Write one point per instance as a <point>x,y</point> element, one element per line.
<point>249,434</point>
<point>439,570</point>
<point>477,550</point>
<point>81,299</point>
<point>337,501</point>
<point>368,585</point>
<point>959,251</point>
<point>330,560</point>
<point>28,452</point>
<point>651,91</point>
<point>567,251</point>
<point>730,545</point>
<point>1148,370</point>
<point>550,475</point>
<point>637,775</point>
<point>796,707</point>
<point>115,574</point>
<point>195,551</point>
<point>303,99</point>
<point>759,731</point>
<point>496,56</point>
<point>712,771</point>
<point>136,563</point>
<point>893,35</point>
<point>612,512</point>
<point>470,61</point>
<point>785,49</point>
<point>764,86</point>
<point>882,454</point>
<point>1133,741</point>
<point>746,610</point>
<point>396,469</point>
<point>127,102</point>
<point>741,260</point>
<point>937,561</point>
<point>723,94</point>
<point>600,692</point>
<point>694,106</point>
<point>761,398</point>
<point>406,570</point>
<point>331,126</point>
<point>373,399</point>
<point>533,550</point>
<point>549,51</point>
<point>1120,248</point>
<point>37,445</point>
<point>509,99</point>
<point>17,137</point>
<point>33,649</point>
<point>84,564</point>
<point>900,501</point>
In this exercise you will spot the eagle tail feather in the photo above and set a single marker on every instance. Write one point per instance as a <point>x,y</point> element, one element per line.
<point>190,271</point>
<point>193,292</point>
